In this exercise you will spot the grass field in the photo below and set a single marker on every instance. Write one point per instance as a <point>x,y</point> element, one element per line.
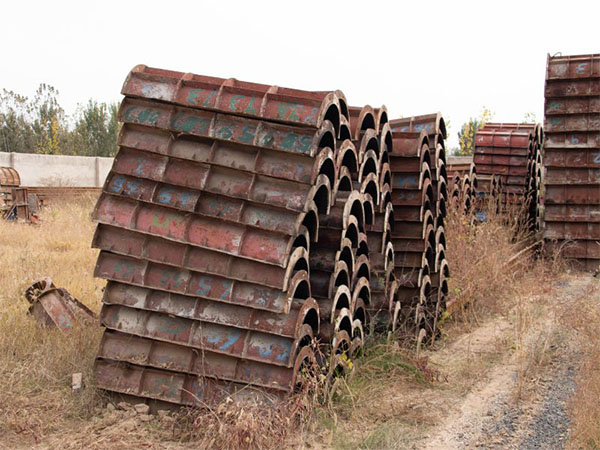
<point>378,406</point>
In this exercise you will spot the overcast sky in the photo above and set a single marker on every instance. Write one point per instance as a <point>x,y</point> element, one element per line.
<point>415,57</point>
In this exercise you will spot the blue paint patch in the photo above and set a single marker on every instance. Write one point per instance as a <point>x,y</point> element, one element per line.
<point>285,355</point>
<point>227,289</point>
<point>164,196</point>
<point>204,286</point>
<point>232,337</point>
<point>139,170</point>
<point>265,352</point>
<point>312,116</point>
<point>553,106</point>
<point>116,184</point>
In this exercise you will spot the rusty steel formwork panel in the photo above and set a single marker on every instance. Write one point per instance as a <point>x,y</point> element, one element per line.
<point>337,271</point>
<point>434,127</point>
<point>55,307</point>
<point>207,224</point>
<point>572,157</point>
<point>513,154</point>
<point>19,207</point>
<point>431,279</point>
<point>231,96</point>
<point>9,177</point>
<point>413,237</point>
<point>460,165</point>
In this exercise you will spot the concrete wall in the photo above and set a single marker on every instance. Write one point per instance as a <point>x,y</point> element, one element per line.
<point>58,170</point>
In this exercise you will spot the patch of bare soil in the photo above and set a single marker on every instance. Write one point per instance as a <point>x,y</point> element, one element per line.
<point>520,402</point>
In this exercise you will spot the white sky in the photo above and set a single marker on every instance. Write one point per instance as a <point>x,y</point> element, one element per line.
<point>415,57</point>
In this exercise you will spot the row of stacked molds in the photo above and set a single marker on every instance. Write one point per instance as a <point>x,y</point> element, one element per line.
<point>341,263</point>
<point>372,136</point>
<point>420,181</point>
<point>513,153</point>
<point>572,157</point>
<point>206,225</point>
<point>463,187</point>
<point>534,191</point>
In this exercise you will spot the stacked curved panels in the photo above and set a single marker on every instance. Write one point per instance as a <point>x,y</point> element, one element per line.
<point>513,153</point>
<point>206,226</point>
<point>419,196</point>
<point>463,185</point>
<point>372,137</point>
<point>572,157</point>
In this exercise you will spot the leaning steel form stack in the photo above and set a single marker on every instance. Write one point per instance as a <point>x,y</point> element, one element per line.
<point>572,157</point>
<point>419,196</point>
<point>206,226</point>
<point>513,154</point>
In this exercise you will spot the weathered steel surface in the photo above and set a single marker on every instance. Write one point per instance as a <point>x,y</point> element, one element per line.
<point>124,348</point>
<point>512,153</point>
<point>9,177</point>
<point>55,307</point>
<point>222,127</point>
<point>207,224</point>
<point>572,157</point>
<point>235,97</point>
<point>419,192</point>
<point>459,164</point>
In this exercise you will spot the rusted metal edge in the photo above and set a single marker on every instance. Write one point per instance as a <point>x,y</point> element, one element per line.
<point>230,96</point>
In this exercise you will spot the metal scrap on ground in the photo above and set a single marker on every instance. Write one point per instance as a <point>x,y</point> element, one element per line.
<point>55,307</point>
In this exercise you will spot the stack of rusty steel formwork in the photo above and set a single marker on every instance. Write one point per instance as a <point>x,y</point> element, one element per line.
<point>419,195</point>
<point>513,153</point>
<point>572,157</point>
<point>458,165</point>
<point>209,226</point>
<point>462,187</point>
<point>371,135</point>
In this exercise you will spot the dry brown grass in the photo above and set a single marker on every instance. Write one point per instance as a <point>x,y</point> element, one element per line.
<point>36,364</point>
<point>479,255</point>
<point>584,318</point>
<point>496,271</point>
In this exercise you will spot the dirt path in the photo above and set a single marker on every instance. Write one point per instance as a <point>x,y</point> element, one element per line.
<point>512,407</point>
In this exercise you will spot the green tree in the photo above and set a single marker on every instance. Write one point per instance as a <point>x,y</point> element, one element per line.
<point>96,129</point>
<point>466,135</point>
<point>48,120</point>
<point>16,132</point>
<point>40,125</point>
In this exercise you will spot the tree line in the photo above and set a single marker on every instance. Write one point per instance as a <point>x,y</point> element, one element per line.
<point>40,125</point>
